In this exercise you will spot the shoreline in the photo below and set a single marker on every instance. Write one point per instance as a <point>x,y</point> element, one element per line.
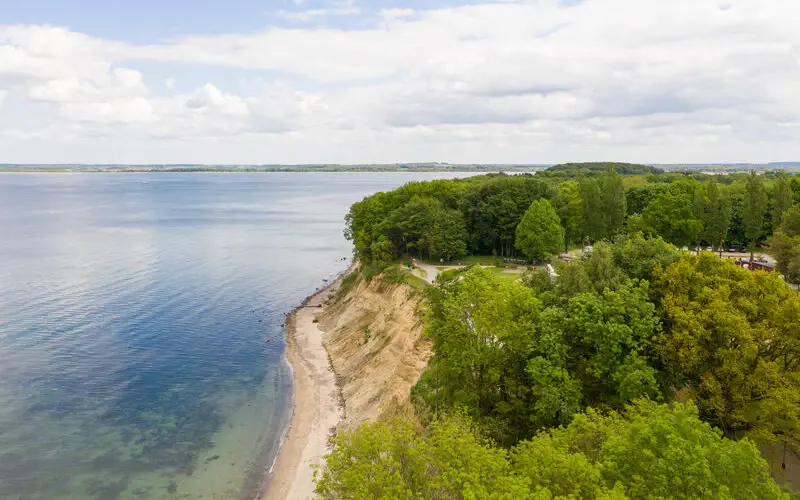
<point>316,402</point>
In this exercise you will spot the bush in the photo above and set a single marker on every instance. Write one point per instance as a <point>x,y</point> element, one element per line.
<point>394,275</point>
<point>348,283</point>
<point>367,333</point>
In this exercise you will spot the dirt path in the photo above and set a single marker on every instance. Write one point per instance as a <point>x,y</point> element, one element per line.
<point>431,273</point>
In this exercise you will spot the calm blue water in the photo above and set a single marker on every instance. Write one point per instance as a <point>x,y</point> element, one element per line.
<point>141,338</point>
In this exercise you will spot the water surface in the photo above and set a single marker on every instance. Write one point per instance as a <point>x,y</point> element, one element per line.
<point>141,338</point>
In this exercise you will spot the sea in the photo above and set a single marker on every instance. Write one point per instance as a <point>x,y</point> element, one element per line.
<point>142,345</point>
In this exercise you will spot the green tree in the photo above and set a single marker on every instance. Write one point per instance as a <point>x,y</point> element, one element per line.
<point>493,206</point>
<point>782,200</point>
<point>426,227</point>
<point>569,206</point>
<point>638,256</point>
<point>601,269</point>
<point>395,461</point>
<point>732,342</point>
<point>785,250</point>
<point>672,217</point>
<point>638,197</point>
<point>369,463</point>
<point>483,331</point>
<point>717,215</point>
<point>447,239</point>
<point>790,225</point>
<point>609,344</point>
<point>593,226</point>
<point>754,207</point>
<point>613,196</point>
<point>669,453</point>
<point>650,451</point>
<point>382,251</point>
<point>540,234</point>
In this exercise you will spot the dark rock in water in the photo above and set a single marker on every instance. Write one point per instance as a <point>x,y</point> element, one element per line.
<point>173,487</point>
<point>260,321</point>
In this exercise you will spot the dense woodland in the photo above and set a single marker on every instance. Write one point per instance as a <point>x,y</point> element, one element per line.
<point>447,219</point>
<point>640,371</point>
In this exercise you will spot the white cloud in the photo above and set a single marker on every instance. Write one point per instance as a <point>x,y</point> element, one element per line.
<point>340,8</point>
<point>210,98</point>
<point>391,14</point>
<point>31,53</point>
<point>311,14</point>
<point>525,81</point>
<point>135,110</point>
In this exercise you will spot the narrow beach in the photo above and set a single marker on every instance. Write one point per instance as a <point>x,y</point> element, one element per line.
<point>316,404</point>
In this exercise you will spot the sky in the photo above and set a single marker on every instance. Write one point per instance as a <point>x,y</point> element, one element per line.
<point>385,81</point>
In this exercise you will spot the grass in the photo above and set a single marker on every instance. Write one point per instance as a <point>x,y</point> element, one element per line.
<point>500,274</point>
<point>394,275</point>
<point>348,282</point>
<point>486,260</point>
<point>397,274</point>
<point>417,282</point>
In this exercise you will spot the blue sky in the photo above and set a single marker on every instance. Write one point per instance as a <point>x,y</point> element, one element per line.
<point>149,20</point>
<point>350,81</point>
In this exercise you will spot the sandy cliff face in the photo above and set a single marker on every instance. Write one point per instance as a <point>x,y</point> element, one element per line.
<point>373,335</point>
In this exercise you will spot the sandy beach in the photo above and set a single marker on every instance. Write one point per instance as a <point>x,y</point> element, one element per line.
<point>316,405</point>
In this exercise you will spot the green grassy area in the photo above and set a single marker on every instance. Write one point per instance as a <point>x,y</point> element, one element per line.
<point>416,282</point>
<point>484,260</point>
<point>398,273</point>
<point>501,274</point>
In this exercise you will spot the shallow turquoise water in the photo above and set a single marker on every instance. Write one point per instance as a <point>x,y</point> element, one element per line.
<point>141,338</point>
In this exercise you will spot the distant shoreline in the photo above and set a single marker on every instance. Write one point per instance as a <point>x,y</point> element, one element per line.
<point>266,168</point>
<point>711,168</point>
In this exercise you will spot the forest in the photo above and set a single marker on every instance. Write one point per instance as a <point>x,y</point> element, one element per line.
<point>447,219</point>
<point>643,370</point>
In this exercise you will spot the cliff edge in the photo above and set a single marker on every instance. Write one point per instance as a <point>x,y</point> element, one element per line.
<point>373,335</point>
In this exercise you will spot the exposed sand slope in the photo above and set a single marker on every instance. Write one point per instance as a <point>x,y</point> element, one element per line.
<point>374,338</point>
<point>371,371</point>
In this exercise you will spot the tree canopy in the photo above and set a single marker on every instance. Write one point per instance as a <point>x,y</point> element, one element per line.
<point>637,371</point>
<point>539,233</point>
<point>647,451</point>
